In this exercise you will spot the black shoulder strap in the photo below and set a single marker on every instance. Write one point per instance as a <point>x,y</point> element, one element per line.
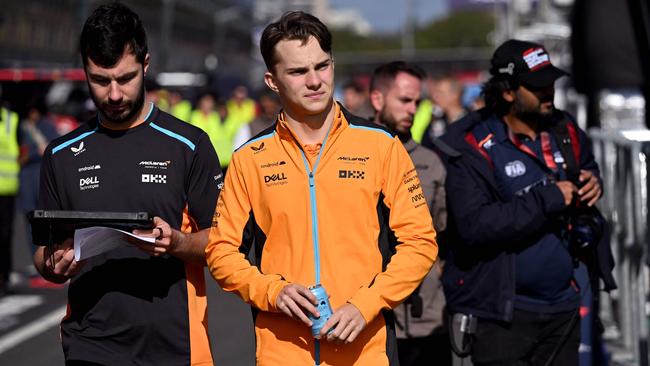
<point>560,132</point>
<point>447,150</point>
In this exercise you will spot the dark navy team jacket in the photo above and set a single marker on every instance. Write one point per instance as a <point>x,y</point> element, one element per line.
<point>489,224</point>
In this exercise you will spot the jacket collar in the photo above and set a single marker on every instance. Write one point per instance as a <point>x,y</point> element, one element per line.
<point>455,135</point>
<point>338,124</point>
<point>454,146</point>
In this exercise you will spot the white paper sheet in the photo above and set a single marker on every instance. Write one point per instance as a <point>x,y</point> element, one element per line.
<point>91,241</point>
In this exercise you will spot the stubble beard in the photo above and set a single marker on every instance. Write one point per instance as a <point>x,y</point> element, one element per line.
<point>386,119</point>
<point>533,114</point>
<point>132,108</point>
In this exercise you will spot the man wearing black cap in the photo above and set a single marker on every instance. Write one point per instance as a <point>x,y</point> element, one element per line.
<point>516,170</point>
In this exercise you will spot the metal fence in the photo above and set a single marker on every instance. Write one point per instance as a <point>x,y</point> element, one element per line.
<point>622,148</point>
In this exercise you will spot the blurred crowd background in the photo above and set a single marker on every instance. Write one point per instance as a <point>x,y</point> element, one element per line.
<point>209,47</point>
<point>206,66</point>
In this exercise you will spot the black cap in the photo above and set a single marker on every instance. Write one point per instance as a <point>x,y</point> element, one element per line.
<point>528,62</point>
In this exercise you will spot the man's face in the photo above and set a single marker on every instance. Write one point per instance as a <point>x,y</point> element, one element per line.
<point>303,77</point>
<point>206,104</point>
<point>118,91</point>
<point>445,94</point>
<point>352,99</point>
<point>240,93</point>
<point>270,106</point>
<point>397,105</point>
<point>534,104</point>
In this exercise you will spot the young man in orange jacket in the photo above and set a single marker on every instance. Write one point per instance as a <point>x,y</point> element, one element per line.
<point>325,198</point>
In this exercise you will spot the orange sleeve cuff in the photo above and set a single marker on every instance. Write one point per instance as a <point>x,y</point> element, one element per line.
<point>367,302</point>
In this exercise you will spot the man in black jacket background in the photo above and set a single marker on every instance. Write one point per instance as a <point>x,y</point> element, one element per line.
<point>519,172</point>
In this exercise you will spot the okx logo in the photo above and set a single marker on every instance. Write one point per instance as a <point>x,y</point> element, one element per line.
<point>154,178</point>
<point>352,174</point>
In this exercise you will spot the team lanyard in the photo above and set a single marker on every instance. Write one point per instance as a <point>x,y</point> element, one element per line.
<point>547,150</point>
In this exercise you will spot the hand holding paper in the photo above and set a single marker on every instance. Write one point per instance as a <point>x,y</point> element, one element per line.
<point>89,242</point>
<point>60,259</point>
<point>162,235</point>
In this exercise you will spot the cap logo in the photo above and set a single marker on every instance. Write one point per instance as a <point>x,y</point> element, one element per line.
<point>536,58</point>
<point>510,69</point>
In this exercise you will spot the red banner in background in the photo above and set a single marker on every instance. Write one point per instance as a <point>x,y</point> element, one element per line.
<point>18,75</point>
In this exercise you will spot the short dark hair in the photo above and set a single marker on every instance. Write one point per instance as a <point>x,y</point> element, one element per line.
<point>385,74</point>
<point>293,25</point>
<point>493,94</point>
<point>110,29</point>
<point>354,85</point>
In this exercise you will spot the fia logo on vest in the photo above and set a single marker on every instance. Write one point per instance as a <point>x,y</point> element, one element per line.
<point>515,169</point>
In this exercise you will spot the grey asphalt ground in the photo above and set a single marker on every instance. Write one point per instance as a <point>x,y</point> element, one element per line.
<point>230,320</point>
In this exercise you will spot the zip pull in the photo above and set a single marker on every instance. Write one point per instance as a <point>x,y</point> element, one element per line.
<point>311,179</point>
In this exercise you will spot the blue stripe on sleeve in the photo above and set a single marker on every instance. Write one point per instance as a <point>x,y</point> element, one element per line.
<point>174,135</point>
<point>70,142</point>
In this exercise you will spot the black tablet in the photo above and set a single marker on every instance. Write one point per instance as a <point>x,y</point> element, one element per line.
<point>55,226</point>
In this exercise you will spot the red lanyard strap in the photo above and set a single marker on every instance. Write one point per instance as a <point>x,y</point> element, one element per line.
<point>547,150</point>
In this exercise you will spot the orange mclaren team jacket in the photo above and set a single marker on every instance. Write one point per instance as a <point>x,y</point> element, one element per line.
<point>326,218</point>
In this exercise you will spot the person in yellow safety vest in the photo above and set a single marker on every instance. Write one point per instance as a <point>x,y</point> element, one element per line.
<point>444,107</point>
<point>156,94</point>
<point>422,119</point>
<point>241,108</point>
<point>222,133</point>
<point>163,100</point>
<point>9,170</point>
<point>179,107</point>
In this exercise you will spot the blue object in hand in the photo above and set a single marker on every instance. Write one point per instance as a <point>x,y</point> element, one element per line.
<point>324,309</point>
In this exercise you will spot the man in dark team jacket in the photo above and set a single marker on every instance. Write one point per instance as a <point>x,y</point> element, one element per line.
<point>511,262</point>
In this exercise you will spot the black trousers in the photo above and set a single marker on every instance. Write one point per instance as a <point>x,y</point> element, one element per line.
<point>530,339</point>
<point>431,350</point>
<point>7,212</point>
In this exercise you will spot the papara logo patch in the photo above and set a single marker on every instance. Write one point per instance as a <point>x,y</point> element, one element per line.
<point>78,149</point>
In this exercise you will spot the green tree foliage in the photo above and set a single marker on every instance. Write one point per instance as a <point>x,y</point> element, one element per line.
<point>460,29</point>
<point>347,41</point>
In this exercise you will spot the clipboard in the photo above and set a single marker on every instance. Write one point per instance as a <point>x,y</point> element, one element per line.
<point>51,226</point>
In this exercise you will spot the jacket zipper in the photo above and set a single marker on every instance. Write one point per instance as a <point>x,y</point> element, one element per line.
<point>314,223</point>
